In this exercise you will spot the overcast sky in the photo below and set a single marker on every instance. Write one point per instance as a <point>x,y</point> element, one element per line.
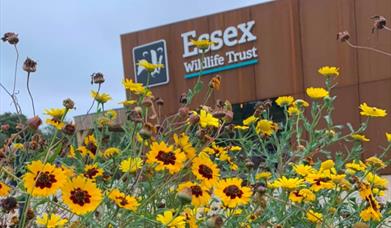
<point>71,39</point>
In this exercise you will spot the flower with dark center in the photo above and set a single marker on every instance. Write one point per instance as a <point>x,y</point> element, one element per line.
<point>165,157</point>
<point>232,193</point>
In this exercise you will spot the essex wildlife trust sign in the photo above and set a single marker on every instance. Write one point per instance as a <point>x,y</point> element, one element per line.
<point>230,37</point>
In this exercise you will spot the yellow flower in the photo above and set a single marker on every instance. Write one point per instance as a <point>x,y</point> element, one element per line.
<point>288,183</point>
<point>150,67</point>
<point>4,189</point>
<point>375,162</point>
<point>131,165</point>
<point>248,121</point>
<point>100,97</point>
<point>17,146</point>
<point>182,141</point>
<point>57,115</point>
<point>284,101</point>
<point>218,151</point>
<point>360,137</point>
<point>43,179</point>
<point>353,167</point>
<point>372,111</point>
<point>111,152</point>
<point>168,219</point>
<point>314,217</point>
<point>123,201</point>
<point>326,165</point>
<point>165,157</point>
<point>239,127</point>
<point>111,114</point>
<point>89,147</point>
<point>51,221</point>
<point>81,195</point>
<point>92,171</point>
<point>205,170</point>
<point>190,216</point>
<point>376,180</point>
<point>206,119</point>
<point>317,93</point>
<point>133,87</point>
<point>370,214</point>
<point>128,102</point>
<point>263,175</point>
<point>199,194</point>
<point>266,127</point>
<point>329,71</point>
<point>235,148</point>
<point>320,181</point>
<point>301,103</point>
<point>293,111</point>
<point>232,193</point>
<point>202,44</point>
<point>298,196</point>
<point>303,170</point>
<point>388,137</point>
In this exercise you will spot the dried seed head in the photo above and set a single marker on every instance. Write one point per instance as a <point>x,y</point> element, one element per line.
<point>29,65</point>
<point>33,145</point>
<point>159,101</point>
<point>68,103</point>
<point>147,102</point>
<point>215,82</point>
<point>229,116</point>
<point>379,23</point>
<point>183,111</point>
<point>8,204</point>
<point>97,78</point>
<point>214,222</point>
<point>34,122</point>
<point>183,98</point>
<point>69,129</point>
<point>10,37</point>
<point>343,36</point>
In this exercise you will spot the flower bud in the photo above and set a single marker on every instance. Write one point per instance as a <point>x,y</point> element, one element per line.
<point>214,222</point>
<point>29,65</point>
<point>147,102</point>
<point>159,101</point>
<point>185,195</point>
<point>97,78</point>
<point>68,103</point>
<point>34,122</point>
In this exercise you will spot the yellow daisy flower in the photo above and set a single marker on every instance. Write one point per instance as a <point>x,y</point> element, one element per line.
<point>43,179</point>
<point>305,195</point>
<point>149,66</point>
<point>314,217</point>
<point>300,103</point>
<point>4,189</point>
<point>328,71</point>
<point>320,181</point>
<point>165,157</point>
<point>375,162</point>
<point>100,97</point>
<point>57,114</point>
<point>168,219</point>
<point>317,93</point>
<point>293,111</point>
<point>353,167</point>
<point>303,170</point>
<point>263,175</point>
<point>207,119</point>
<point>249,120</point>
<point>370,214</point>
<point>388,137</point>
<point>287,183</point>
<point>128,103</point>
<point>372,111</point>
<point>232,193</point>
<point>199,194</point>
<point>205,170</point>
<point>123,201</point>
<point>51,221</point>
<point>131,165</point>
<point>202,44</point>
<point>89,147</point>
<point>376,181</point>
<point>183,143</point>
<point>133,87</point>
<point>239,127</point>
<point>217,151</point>
<point>360,137</point>
<point>284,101</point>
<point>266,127</point>
<point>111,152</point>
<point>111,114</point>
<point>81,195</point>
<point>17,146</point>
<point>92,171</point>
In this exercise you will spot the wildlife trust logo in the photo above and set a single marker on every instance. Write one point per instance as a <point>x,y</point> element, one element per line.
<point>155,53</point>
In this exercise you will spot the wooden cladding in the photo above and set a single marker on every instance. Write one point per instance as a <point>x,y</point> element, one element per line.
<point>294,39</point>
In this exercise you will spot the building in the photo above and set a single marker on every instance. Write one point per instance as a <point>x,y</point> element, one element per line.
<point>273,49</point>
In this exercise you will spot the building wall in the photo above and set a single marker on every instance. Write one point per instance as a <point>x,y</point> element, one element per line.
<point>294,38</point>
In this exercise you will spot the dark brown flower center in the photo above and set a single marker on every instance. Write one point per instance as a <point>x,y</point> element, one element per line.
<point>166,158</point>
<point>205,171</point>
<point>80,197</point>
<point>45,180</point>
<point>196,190</point>
<point>233,191</point>
<point>123,200</point>
<point>91,147</point>
<point>91,173</point>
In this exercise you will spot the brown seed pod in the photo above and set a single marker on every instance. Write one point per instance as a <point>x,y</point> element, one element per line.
<point>29,65</point>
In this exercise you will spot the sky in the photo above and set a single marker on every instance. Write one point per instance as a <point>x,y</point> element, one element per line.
<point>71,39</point>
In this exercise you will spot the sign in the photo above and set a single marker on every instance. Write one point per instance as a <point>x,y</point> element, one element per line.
<point>230,37</point>
<point>155,53</point>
